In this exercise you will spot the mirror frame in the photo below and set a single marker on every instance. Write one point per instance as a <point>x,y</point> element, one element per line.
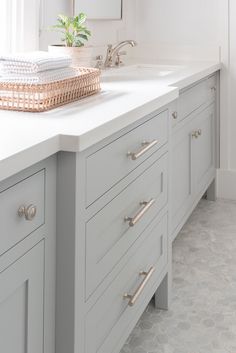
<point>104,19</point>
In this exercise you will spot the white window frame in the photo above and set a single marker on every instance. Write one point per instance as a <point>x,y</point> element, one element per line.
<point>19,25</point>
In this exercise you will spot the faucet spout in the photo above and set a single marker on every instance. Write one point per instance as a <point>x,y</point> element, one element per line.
<point>122,44</point>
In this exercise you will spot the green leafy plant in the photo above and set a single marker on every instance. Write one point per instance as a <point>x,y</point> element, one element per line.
<point>73,29</point>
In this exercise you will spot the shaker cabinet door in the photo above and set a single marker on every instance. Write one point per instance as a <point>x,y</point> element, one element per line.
<point>204,149</point>
<point>181,175</point>
<point>21,303</point>
<point>193,164</point>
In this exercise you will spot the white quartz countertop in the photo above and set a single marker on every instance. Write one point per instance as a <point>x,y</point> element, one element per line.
<point>27,138</point>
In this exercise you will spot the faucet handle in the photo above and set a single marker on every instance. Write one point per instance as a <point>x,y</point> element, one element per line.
<point>119,62</point>
<point>99,61</point>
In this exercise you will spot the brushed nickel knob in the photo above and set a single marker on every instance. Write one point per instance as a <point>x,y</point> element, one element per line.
<point>199,132</point>
<point>175,115</point>
<point>195,134</point>
<point>29,212</point>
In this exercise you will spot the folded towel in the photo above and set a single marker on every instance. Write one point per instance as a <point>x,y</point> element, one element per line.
<point>33,62</point>
<point>40,77</point>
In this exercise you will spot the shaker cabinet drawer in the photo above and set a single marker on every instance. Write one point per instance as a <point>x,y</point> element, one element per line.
<point>21,210</point>
<point>116,160</point>
<point>194,97</point>
<point>133,287</point>
<point>113,230</point>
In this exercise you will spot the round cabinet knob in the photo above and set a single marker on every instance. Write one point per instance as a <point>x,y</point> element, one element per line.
<point>195,134</point>
<point>199,132</point>
<point>175,115</point>
<point>29,212</point>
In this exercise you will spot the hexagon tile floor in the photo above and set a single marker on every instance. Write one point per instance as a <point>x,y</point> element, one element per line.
<point>202,317</point>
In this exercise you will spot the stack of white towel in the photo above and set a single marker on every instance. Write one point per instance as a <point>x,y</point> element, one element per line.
<point>35,68</point>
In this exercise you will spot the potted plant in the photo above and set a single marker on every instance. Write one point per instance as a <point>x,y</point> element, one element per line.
<point>74,35</point>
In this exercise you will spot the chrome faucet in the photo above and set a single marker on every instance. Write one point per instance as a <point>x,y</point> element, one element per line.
<point>114,54</point>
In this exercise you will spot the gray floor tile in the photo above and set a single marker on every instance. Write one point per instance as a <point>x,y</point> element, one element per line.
<point>202,318</point>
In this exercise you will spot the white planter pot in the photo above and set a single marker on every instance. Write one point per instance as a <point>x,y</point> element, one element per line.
<point>81,56</point>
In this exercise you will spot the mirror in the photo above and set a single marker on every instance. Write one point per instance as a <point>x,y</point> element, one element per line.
<point>100,9</point>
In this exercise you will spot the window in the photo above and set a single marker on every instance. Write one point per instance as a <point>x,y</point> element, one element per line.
<point>19,25</point>
<point>4,44</point>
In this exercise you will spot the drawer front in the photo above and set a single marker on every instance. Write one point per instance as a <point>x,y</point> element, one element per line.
<point>22,197</point>
<point>109,235</point>
<point>113,162</point>
<point>192,99</point>
<point>107,321</point>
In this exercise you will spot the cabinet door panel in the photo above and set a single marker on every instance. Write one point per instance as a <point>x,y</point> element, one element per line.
<point>204,149</point>
<point>181,176</point>
<point>21,303</point>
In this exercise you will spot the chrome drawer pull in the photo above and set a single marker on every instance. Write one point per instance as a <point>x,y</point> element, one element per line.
<point>141,213</point>
<point>28,212</point>
<point>133,298</point>
<point>146,147</point>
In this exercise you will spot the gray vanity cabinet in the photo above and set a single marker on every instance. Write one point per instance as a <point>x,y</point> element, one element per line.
<point>112,241</point>
<point>86,238</point>
<point>193,157</point>
<point>21,303</point>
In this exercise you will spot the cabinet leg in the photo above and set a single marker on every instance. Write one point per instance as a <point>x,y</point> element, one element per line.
<point>163,293</point>
<point>211,191</point>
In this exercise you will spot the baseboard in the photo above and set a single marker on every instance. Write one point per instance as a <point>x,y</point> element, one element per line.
<point>226,184</point>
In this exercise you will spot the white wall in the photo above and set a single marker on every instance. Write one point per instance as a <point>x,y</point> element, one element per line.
<point>232,83</point>
<point>184,29</point>
<point>227,173</point>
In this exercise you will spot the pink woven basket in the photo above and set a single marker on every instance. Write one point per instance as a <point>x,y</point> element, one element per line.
<point>43,97</point>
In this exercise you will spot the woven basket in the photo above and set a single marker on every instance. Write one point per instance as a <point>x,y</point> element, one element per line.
<point>42,97</point>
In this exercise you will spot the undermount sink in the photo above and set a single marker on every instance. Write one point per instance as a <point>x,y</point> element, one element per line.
<point>140,72</point>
